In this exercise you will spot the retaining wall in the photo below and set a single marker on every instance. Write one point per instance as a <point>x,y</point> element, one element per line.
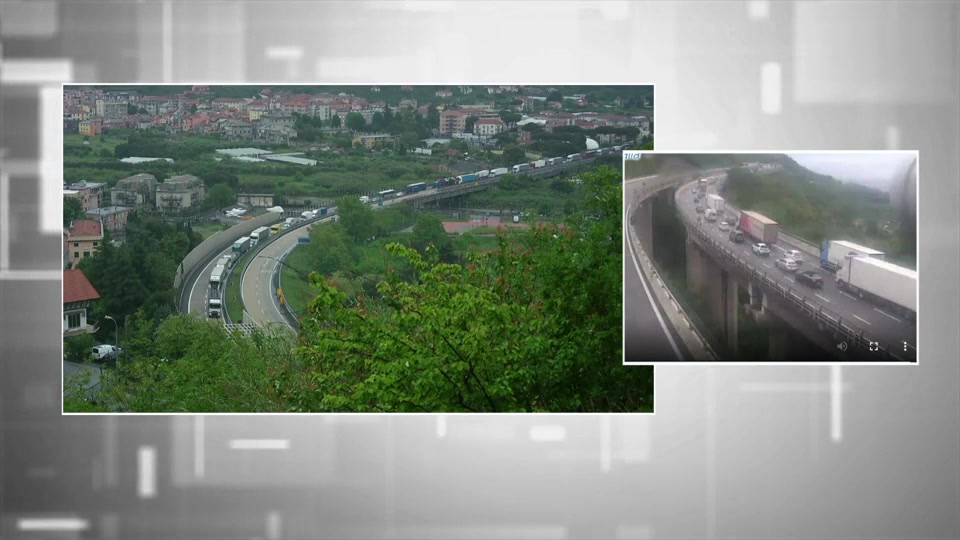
<point>219,242</point>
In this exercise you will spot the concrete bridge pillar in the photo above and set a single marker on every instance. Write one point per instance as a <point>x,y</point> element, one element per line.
<point>695,264</point>
<point>732,309</point>
<point>757,299</point>
<point>779,340</point>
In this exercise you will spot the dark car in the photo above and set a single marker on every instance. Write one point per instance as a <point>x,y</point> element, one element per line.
<point>700,209</point>
<point>736,236</point>
<point>810,278</point>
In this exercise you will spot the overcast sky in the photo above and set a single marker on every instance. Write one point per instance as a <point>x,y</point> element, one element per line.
<point>876,170</point>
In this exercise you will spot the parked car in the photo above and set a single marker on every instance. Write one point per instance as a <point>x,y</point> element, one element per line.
<point>811,278</point>
<point>724,226</point>
<point>793,254</point>
<point>106,352</point>
<point>761,249</point>
<point>700,209</point>
<point>787,265</point>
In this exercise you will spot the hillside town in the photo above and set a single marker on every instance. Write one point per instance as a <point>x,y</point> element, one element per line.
<point>269,115</point>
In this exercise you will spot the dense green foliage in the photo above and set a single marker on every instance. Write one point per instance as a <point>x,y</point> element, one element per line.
<point>816,207</point>
<point>140,271</point>
<point>533,325</point>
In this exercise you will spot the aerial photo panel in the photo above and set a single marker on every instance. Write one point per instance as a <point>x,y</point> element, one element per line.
<point>348,249</point>
<point>770,257</point>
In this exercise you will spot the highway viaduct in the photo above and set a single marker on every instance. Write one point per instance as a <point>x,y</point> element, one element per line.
<point>795,317</point>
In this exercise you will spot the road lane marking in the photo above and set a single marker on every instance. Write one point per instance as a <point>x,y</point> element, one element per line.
<point>887,314</point>
<point>791,280</point>
<point>822,298</point>
<point>861,319</point>
<point>260,444</point>
<point>848,295</point>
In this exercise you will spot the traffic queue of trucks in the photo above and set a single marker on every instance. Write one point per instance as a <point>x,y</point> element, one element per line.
<point>525,167</point>
<point>259,235</point>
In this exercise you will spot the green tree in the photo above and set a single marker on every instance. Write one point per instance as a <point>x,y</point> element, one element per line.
<point>470,121</point>
<point>356,218</point>
<point>193,108</point>
<point>220,195</point>
<point>427,232</point>
<point>335,121</point>
<point>355,121</point>
<point>512,155</point>
<point>330,249</point>
<point>72,210</point>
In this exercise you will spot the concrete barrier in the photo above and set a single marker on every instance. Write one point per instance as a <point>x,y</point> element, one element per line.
<point>219,242</point>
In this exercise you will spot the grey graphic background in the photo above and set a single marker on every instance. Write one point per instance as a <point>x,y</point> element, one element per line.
<point>732,452</point>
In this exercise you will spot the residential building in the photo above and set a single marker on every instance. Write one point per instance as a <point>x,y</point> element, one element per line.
<point>412,103</point>
<point>179,192</point>
<point>488,127</point>
<point>237,130</point>
<point>91,194</point>
<point>369,141</point>
<point>78,297</point>
<point>444,93</point>
<point>91,127</point>
<point>84,239</point>
<point>111,108</point>
<point>112,218</point>
<point>276,133</point>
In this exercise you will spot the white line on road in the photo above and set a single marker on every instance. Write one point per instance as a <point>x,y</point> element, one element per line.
<point>822,298</point>
<point>848,295</point>
<point>767,265</point>
<point>887,314</point>
<point>260,444</point>
<point>863,320</point>
<point>791,280</point>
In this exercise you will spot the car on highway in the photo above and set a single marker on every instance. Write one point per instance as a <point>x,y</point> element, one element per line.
<point>700,209</point>
<point>810,278</point>
<point>724,226</point>
<point>793,254</point>
<point>736,236</point>
<point>787,265</point>
<point>761,249</point>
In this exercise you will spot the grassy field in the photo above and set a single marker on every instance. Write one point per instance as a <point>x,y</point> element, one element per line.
<point>296,291</point>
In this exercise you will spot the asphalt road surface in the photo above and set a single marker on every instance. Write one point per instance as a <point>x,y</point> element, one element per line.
<point>880,325</point>
<point>648,334</point>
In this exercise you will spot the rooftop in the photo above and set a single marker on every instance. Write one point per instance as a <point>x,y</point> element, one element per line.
<point>86,228</point>
<point>235,152</point>
<point>77,288</point>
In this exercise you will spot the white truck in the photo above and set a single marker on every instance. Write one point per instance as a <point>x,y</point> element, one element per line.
<point>214,305</point>
<point>715,203</point>
<point>226,261</point>
<point>833,253</point>
<point>217,276</point>
<point>499,171</point>
<point>884,283</point>
<point>259,235</point>
<point>364,199</point>
<point>483,174</point>
<point>539,163</point>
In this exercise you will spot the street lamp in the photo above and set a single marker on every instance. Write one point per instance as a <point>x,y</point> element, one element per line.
<point>116,335</point>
